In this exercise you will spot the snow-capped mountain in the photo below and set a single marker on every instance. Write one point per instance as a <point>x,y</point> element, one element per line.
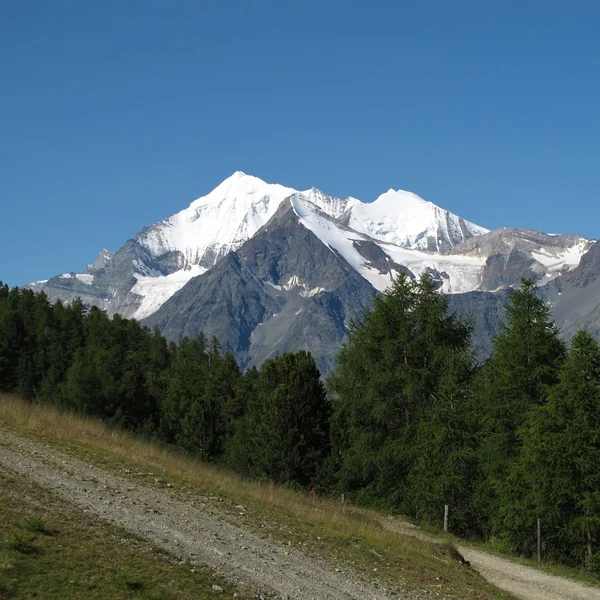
<point>220,222</point>
<point>397,232</point>
<point>217,223</point>
<point>168,254</point>
<point>235,210</point>
<point>405,219</point>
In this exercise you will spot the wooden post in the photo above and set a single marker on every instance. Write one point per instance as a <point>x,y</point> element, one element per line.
<point>445,517</point>
<point>539,540</point>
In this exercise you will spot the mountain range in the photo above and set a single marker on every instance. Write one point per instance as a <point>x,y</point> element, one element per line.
<point>267,269</point>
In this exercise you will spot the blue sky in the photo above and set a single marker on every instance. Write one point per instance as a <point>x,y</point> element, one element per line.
<point>115,114</point>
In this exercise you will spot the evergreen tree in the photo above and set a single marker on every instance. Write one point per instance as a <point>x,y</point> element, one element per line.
<point>10,337</point>
<point>205,425</point>
<point>390,373</point>
<point>187,377</point>
<point>159,359</point>
<point>446,468</point>
<point>287,421</point>
<point>224,373</point>
<point>236,454</point>
<point>518,377</point>
<point>557,476</point>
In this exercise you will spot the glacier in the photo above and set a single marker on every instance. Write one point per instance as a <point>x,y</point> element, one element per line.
<point>412,234</point>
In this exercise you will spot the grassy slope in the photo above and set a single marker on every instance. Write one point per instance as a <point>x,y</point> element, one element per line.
<point>52,551</point>
<point>321,527</point>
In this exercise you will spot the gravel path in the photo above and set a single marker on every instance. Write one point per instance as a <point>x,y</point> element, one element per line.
<point>525,582</point>
<point>184,529</point>
<point>201,536</point>
<point>521,581</point>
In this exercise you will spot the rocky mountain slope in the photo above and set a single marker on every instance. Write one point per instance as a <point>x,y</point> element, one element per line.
<point>268,269</point>
<point>283,288</point>
<point>158,261</point>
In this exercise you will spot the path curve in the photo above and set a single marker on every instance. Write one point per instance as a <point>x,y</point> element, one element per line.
<point>521,581</point>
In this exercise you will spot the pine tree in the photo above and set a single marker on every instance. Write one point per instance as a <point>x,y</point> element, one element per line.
<point>11,340</point>
<point>287,422</point>
<point>389,376</point>
<point>236,455</point>
<point>187,377</point>
<point>206,425</point>
<point>446,468</point>
<point>518,377</point>
<point>159,358</point>
<point>557,476</point>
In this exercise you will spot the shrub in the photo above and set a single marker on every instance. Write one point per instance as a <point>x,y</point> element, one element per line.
<point>17,541</point>
<point>593,563</point>
<point>36,525</point>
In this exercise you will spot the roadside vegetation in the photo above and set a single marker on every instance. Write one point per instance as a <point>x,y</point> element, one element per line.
<point>54,551</point>
<point>342,534</point>
<point>407,423</point>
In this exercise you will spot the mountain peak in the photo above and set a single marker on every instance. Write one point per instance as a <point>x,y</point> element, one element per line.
<point>239,178</point>
<point>405,219</point>
<point>214,224</point>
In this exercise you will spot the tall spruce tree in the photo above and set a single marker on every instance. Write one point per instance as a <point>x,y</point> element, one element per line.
<point>238,442</point>
<point>286,429</point>
<point>182,410</point>
<point>518,377</point>
<point>446,469</point>
<point>557,476</point>
<point>392,371</point>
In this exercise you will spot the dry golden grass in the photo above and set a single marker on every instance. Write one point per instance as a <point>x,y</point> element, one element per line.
<point>52,424</point>
<point>353,535</point>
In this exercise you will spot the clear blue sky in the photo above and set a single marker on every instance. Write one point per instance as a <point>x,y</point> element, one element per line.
<point>116,114</point>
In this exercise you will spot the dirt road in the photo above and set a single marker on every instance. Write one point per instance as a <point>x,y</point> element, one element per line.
<point>521,581</point>
<point>525,582</point>
<point>201,536</point>
<point>186,530</point>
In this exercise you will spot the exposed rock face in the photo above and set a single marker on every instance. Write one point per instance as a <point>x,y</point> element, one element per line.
<point>486,309</point>
<point>282,290</point>
<point>575,297</point>
<point>376,258</point>
<point>109,281</point>
<point>512,254</point>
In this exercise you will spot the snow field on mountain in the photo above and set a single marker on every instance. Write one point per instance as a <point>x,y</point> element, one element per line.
<point>464,273</point>
<point>294,282</point>
<point>86,278</point>
<point>338,240</point>
<point>405,219</point>
<point>155,291</point>
<point>221,221</point>
<point>557,262</point>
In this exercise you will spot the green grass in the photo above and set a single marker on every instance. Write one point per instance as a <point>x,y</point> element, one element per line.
<point>342,534</point>
<point>36,525</point>
<point>21,543</point>
<point>52,551</point>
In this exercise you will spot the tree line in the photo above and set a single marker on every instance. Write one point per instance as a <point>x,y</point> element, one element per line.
<point>407,422</point>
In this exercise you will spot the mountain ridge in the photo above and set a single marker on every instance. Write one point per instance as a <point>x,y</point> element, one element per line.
<point>166,255</point>
<point>148,276</point>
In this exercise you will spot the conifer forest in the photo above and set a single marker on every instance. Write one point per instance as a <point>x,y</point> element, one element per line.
<point>408,422</point>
